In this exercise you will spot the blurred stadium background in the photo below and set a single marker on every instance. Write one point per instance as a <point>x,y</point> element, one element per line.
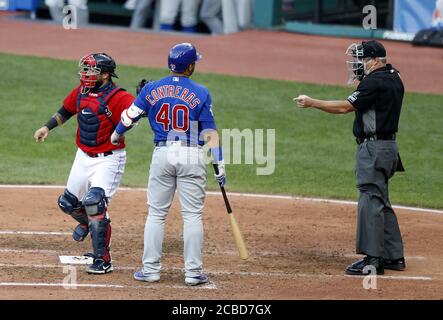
<point>396,19</point>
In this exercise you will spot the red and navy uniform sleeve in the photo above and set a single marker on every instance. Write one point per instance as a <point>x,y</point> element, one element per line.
<point>70,102</point>
<point>118,103</point>
<point>206,117</point>
<point>141,103</point>
<point>364,97</point>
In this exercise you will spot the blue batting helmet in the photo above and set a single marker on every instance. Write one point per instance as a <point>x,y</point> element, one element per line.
<point>181,56</point>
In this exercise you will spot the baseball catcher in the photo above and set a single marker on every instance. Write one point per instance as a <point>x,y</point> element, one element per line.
<point>98,166</point>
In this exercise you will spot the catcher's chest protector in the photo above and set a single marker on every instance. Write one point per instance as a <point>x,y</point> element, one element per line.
<point>94,125</point>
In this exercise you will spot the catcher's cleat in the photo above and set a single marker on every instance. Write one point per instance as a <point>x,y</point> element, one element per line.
<point>81,231</point>
<point>194,281</point>
<point>359,268</point>
<point>153,277</point>
<point>89,255</point>
<point>395,264</point>
<point>100,266</point>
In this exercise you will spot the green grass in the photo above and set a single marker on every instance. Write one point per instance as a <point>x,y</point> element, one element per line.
<point>314,150</point>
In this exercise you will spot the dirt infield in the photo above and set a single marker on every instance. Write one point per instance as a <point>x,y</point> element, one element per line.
<point>298,249</point>
<point>274,55</point>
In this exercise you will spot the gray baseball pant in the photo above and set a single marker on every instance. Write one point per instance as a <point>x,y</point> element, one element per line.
<point>180,168</point>
<point>378,232</point>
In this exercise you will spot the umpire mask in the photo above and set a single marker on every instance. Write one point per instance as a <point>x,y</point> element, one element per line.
<point>355,66</point>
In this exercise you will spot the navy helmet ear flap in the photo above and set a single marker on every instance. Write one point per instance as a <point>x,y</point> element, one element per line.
<point>106,63</point>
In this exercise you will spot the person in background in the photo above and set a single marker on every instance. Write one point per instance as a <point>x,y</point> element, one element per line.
<point>143,9</point>
<point>169,10</point>
<point>226,16</point>
<point>210,14</point>
<point>237,15</point>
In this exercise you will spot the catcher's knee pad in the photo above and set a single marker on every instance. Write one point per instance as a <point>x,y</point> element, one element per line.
<point>101,237</point>
<point>69,203</point>
<point>95,201</point>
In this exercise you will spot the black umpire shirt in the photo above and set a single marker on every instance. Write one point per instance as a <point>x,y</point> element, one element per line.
<point>378,100</point>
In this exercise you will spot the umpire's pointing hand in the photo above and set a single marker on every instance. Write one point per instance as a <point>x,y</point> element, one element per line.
<point>303,101</point>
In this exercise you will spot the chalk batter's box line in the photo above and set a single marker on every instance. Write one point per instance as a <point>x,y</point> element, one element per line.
<point>234,273</point>
<point>210,286</point>
<point>236,194</point>
<point>210,253</point>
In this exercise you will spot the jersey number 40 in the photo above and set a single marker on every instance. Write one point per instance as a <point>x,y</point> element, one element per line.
<point>178,114</point>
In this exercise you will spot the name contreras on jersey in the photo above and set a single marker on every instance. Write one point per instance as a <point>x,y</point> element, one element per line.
<point>171,91</point>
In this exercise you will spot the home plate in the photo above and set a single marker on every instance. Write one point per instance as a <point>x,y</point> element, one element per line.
<point>75,260</point>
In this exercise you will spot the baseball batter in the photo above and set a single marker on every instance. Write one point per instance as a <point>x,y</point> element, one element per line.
<point>179,112</point>
<point>98,166</point>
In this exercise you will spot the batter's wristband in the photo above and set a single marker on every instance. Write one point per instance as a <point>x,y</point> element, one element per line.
<point>120,129</point>
<point>217,154</point>
<point>52,123</point>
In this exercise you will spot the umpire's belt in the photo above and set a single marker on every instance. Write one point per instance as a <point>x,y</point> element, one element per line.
<point>101,154</point>
<point>376,137</point>
<point>175,143</point>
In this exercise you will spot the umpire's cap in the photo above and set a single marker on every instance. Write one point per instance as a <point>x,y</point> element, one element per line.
<point>373,49</point>
<point>181,56</point>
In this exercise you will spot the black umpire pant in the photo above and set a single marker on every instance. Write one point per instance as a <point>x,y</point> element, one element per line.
<point>378,233</point>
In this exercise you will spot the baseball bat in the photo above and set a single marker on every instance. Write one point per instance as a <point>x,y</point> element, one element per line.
<point>235,228</point>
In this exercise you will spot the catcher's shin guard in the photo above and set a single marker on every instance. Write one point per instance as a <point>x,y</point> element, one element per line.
<point>100,228</point>
<point>70,205</point>
<point>80,216</point>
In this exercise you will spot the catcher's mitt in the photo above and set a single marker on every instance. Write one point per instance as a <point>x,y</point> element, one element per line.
<point>141,84</point>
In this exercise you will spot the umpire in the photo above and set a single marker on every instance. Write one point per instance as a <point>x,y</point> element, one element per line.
<point>377,105</point>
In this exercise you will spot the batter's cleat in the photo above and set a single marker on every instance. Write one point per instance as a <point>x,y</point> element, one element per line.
<point>195,281</point>
<point>100,266</point>
<point>140,276</point>
<point>395,264</point>
<point>363,267</point>
<point>81,231</point>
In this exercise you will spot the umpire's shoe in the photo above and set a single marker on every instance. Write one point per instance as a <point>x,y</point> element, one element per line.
<point>81,231</point>
<point>363,267</point>
<point>194,281</point>
<point>395,264</point>
<point>140,276</point>
<point>100,266</point>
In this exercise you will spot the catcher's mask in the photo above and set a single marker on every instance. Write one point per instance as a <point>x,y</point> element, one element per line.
<point>355,66</point>
<point>91,66</point>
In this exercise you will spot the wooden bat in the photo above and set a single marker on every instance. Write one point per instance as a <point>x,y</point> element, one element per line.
<point>235,229</point>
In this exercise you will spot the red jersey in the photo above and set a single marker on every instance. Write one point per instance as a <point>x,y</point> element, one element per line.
<point>98,113</point>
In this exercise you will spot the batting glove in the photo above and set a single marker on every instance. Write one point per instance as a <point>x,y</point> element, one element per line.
<point>221,176</point>
<point>115,138</point>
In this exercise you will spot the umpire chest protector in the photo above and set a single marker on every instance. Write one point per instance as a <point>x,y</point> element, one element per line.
<point>93,115</point>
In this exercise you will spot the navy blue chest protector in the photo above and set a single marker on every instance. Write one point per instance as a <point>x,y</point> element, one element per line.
<point>93,115</point>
